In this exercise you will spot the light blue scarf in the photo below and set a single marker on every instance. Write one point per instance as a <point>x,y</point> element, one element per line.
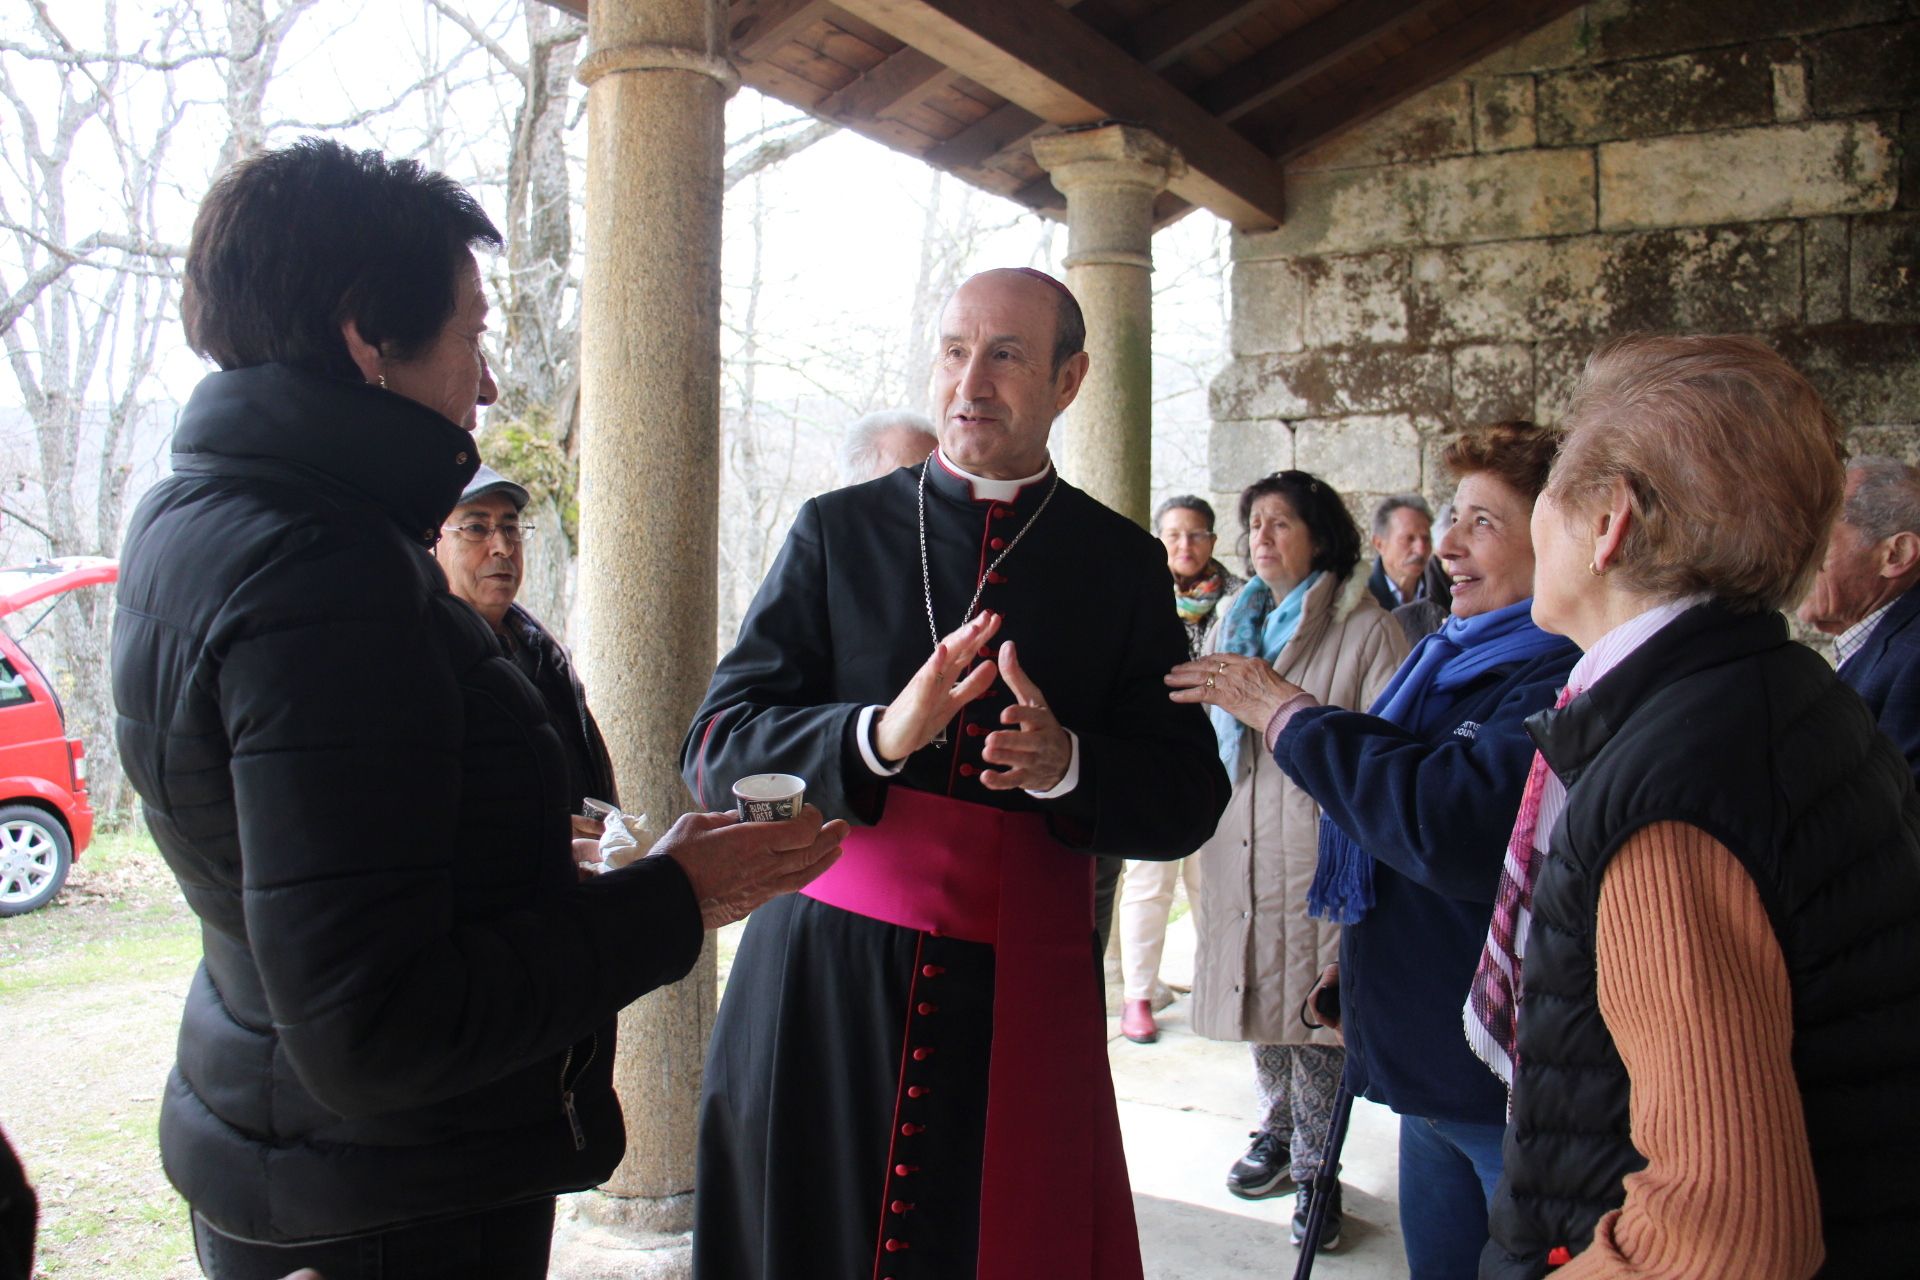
<point>1458,653</point>
<point>1256,627</point>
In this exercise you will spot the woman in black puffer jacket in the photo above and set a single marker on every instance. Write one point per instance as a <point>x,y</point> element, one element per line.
<point>398,1048</point>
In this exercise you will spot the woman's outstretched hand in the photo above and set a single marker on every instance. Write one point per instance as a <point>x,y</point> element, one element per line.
<point>1245,688</point>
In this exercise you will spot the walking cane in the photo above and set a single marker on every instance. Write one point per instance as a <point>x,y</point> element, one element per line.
<point>1324,1181</point>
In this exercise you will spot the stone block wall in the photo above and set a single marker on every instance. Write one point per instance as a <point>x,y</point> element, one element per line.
<point>1737,166</point>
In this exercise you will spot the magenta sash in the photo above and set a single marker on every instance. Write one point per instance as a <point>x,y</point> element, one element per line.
<point>1054,1195</point>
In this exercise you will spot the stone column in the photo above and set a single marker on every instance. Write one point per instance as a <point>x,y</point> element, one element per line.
<point>1110,176</point>
<point>649,494</point>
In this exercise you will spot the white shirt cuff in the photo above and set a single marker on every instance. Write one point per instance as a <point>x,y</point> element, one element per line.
<point>863,735</point>
<point>1069,780</point>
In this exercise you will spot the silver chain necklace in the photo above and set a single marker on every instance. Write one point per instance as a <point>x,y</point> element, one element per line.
<point>926,575</point>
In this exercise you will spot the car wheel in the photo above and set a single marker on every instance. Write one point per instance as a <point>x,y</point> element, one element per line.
<point>34,856</point>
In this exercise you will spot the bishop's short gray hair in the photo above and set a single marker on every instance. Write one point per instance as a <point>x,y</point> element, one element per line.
<point>1886,498</point>
<point>860,451</point>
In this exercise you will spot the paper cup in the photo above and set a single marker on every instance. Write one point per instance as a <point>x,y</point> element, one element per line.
<point>770,797</point>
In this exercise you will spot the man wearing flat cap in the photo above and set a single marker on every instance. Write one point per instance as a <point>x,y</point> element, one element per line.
<point>482,551</point>
<point>908,1076</point>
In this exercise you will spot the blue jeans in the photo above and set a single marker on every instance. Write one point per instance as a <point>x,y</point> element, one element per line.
<point>1447,1173</point>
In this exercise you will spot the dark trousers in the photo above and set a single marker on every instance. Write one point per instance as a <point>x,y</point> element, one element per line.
<point>509,1243</point>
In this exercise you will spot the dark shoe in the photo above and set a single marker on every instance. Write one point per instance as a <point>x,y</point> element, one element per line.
<point>1261,1172</point>
<point>1329,1225</point>
<point>1136,1022</point>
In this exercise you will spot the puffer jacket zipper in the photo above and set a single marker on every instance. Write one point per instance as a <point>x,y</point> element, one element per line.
<point>569,1078</point>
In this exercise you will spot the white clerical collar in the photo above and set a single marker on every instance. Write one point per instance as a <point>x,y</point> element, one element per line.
<point>985,490</point>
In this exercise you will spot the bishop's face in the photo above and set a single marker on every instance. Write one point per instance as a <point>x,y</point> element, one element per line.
<point>995,392</point>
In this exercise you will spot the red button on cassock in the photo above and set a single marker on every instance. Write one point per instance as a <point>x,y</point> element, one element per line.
<point>926,1007</point>
<point>996,577</point>
<point>932,970</point>
<point>967,771</point>
<point>922,1054</point>
<point>905,1170</point>
<point>976,731</point>
<point>998,544</point>
<point>911,1129</point>
<point>1001,513</point>
<point>895,1246</point>
<point>901,1206</point>
<point>916,1091</point>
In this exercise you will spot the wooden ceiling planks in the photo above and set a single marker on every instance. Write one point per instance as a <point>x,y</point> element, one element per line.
<point>1239,86</point>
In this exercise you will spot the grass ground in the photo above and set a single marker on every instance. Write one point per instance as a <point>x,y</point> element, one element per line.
<point>90,994</point>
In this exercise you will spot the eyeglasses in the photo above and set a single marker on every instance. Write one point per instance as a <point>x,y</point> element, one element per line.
<point>512,534</point>
<point>1188,535</point>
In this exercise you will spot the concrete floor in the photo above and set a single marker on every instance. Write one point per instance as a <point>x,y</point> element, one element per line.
<point>1186,1104</point>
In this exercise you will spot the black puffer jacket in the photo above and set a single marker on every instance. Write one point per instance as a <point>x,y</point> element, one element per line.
<point>405,1007</point>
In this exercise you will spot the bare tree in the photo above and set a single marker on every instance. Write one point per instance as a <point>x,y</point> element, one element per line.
<point>83,325</point>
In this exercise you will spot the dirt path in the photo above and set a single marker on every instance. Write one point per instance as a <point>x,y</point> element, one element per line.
<point>90,995</point>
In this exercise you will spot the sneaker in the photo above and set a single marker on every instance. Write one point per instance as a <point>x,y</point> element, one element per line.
<point>1262,1171</point>
<point>1329,1225</point>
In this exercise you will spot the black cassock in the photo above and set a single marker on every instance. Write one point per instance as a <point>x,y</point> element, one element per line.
<point>800,1158</point>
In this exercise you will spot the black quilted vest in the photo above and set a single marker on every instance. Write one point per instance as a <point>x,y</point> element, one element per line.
<point>1722,722</point>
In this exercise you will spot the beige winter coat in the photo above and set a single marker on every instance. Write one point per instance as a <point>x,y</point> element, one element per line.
<point>1259,952</point>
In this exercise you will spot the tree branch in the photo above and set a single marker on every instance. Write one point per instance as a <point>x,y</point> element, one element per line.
<point>514,66</point>
<point>771,153</point>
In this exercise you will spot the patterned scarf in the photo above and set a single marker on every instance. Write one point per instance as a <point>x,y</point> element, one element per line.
<point>1197,600</point>
<point>1257,627</point>
<point>1493,1003</point>
<point>1460,652</point>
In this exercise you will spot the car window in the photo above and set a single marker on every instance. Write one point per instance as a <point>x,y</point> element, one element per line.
<point>13,685</point>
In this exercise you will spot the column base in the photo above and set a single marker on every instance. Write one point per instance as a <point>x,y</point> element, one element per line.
<point>601,1237</point>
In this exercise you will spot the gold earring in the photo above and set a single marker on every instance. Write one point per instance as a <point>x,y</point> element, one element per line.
<point>1595,570</point>
<point>380,380</point>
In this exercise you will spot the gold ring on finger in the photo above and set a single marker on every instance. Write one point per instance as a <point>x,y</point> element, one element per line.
<point>1209,682</point>
<point>1221,669</point>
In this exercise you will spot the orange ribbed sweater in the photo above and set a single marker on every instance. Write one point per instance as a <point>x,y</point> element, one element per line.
<point>1693,987</point>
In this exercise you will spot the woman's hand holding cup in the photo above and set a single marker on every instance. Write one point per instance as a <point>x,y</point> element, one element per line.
<point>735,866</point>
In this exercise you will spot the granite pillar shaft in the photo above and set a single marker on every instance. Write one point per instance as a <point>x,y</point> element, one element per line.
<point>1110,177</point>
<point>649,497</point>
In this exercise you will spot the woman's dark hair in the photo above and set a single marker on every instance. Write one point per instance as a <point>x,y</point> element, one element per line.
<point>293,242</point>
<point>1184,502</point>
<point>1336,538</point>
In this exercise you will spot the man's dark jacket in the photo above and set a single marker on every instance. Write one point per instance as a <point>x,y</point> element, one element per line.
<point>1722,722</point>
<point>405,1005</point>
<point>1886,674</point>
<point>544,660</point>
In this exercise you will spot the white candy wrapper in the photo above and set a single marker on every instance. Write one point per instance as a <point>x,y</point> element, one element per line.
<point>625,839</point>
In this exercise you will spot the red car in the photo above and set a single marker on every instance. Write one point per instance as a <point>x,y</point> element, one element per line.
<point>46,819</point>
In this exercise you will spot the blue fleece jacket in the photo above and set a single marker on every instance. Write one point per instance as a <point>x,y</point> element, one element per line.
<point>1434,805</point>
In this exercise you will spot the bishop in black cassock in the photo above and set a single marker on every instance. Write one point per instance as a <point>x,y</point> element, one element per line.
<point>908,1074</point>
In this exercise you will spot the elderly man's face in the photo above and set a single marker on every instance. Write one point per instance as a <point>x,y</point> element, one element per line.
<point>1850,582</point>
<point>486,574</point>
<point>1405,547</point>
<point>994,390</point>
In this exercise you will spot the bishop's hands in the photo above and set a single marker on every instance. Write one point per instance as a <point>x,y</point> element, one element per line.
<point>1034,749</point>
<point>937,692</point>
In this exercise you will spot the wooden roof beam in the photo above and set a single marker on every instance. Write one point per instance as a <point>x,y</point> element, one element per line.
<point>1058,68</point>
<point>1166,37</point>
<point>755,28</point>
<point>1301,55</point>
<point>1426,64</point>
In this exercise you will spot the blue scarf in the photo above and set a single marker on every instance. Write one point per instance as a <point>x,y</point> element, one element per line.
<point>1454,656</point>
<point>1258,628</point>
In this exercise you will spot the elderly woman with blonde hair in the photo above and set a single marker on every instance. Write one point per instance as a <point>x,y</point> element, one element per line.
<point>1702,979</point>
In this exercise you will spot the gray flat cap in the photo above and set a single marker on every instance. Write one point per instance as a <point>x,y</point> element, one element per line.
<point>486,480</point>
